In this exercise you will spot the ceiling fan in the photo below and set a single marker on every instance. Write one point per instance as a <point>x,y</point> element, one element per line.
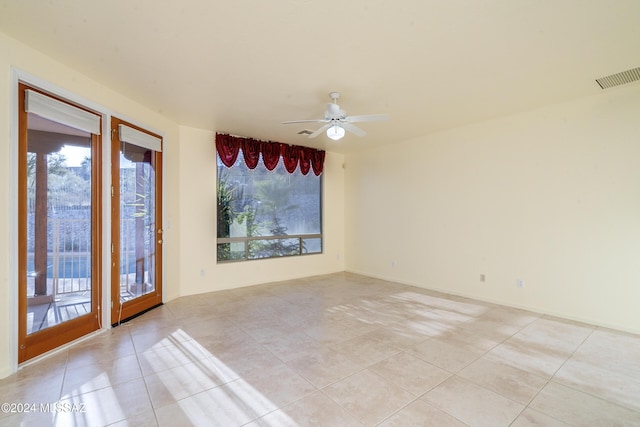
<point>337,122</point>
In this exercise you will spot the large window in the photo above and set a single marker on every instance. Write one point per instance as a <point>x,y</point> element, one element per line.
<point>265,214</point>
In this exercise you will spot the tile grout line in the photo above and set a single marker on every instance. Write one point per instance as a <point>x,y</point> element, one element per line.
<point>143,377</point>
<point>527,406</point>
<point>419,397</point>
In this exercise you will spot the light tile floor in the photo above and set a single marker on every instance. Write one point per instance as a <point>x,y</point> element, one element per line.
<point>335,350</point>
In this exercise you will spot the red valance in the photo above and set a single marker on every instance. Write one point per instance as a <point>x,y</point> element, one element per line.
<point>228,148</point>
<point>290,157</point>
<point>251,152</point>
<point>270,155</point>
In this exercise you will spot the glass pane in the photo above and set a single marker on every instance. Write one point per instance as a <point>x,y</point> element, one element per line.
<point>58,223</point>
<point>311,246</point>
<point>137,222</point>
<point>230,251</point>
<point>259,202</point>
<point>268,248</point>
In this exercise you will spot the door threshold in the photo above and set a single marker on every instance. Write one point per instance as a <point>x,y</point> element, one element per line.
<point>135,315</point>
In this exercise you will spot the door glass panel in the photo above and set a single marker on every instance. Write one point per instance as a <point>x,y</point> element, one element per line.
<point>137,222</point>
<point>59,208</point>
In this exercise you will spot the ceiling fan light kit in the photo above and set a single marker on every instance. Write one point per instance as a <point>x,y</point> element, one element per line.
<point>335,132</point>
<point>337,122</point>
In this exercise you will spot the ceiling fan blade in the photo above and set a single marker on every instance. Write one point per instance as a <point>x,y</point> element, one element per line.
<point>367,118</point>
<point>353,129</point>
<point>322,129</point>
<point>305,121</point>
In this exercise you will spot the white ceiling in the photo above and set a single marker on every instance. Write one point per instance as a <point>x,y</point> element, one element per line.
<point>243,67</point>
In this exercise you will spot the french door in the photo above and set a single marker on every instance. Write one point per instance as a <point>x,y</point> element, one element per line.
<point>136,220</point>
<point>59,222</point>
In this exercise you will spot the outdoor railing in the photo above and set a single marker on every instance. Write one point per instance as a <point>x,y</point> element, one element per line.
<point>69,258</point>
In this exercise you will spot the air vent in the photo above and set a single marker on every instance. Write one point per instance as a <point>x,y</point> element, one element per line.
<point>624,77</point>
<point>305,132</point>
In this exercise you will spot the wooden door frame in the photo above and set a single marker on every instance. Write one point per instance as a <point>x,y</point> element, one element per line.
<point>32,345</point>
<point>132,308</point>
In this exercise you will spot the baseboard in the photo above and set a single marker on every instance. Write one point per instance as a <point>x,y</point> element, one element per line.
<point>533,309</point>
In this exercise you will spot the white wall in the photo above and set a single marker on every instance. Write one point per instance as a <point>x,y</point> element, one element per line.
<point>14,55</point>
<point>550,196</point>
<point>6,331</point>
<point>199,270</point>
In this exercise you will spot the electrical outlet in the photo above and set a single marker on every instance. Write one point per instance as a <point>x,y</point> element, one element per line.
<point>483,277</point>
<point>520,283</point>
<point>393,264</point>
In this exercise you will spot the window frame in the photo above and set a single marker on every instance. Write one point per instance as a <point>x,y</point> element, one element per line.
<point>247,239</point>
